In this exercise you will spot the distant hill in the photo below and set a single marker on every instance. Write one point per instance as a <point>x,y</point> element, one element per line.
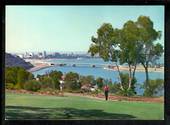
<point>11,60</point>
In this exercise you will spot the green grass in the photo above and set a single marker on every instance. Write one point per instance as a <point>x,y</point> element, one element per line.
<point>25,106</point>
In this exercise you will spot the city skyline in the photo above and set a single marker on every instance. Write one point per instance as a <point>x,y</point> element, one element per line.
<point>68,28</point>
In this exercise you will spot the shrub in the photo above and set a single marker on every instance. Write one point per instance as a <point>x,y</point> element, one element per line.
<point>9,86</point>
<point>56,74</point>
<point>56,83</point>
<point>17,75</point>
<point>72,85</point>
<point>11,75</point>
<point>114,88</point>
<point>48,82</point>
<point>126,92</point>
<point>71,81</point>
<point>125,81</point>
<point>99,82</point>
<point>17,86</point>
<point>32,85</point>
<point>153,87</point>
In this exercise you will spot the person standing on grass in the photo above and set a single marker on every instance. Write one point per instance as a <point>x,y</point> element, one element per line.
<point>106,91</point>
<point>61,87</point>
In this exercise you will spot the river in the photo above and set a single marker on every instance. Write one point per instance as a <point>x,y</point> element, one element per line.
<point>84,67</point>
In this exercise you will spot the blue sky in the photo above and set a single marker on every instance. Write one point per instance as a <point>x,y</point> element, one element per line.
<point>68,28</point>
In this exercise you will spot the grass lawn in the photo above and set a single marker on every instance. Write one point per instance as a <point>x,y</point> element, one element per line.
<point>26,106</point>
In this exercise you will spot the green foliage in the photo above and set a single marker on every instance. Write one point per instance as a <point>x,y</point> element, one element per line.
<point>22,76</point>
<point>99,82</point>
<point>17,75</point>
<point>129,43</point>
<point>56,82</point>
<point>9,85</point>
<point>30,76</point>
<point>71,81</point>
<point>32,85</point>
<point>84,80</point>
<point>17,86</point>
<point>125,79</point>
<point>11,75</point>
<point>48,82</point>
<point>71,76</point>
<point>107,37</point>
<point>153,87</point>
<point>114,88</point>
<point>148,35</point>
<point>126,92</point>
<point>56,74</point>
<point>133,44</point>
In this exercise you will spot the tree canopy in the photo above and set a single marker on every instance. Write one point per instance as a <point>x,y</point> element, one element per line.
<point>133,44</point>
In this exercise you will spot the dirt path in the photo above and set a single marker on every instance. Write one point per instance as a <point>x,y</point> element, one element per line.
<point>98,96</point>
<point>121,98</point>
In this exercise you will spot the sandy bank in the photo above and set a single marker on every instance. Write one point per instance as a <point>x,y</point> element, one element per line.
<point>138,69</point>
<point>39,66</point>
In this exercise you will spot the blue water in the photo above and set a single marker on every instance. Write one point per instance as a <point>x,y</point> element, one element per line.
<point>97,72</point>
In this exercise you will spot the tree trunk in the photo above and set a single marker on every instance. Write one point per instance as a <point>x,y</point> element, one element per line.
<point>147,76</point>
<point>121,86</point>
<point>130,77</point>
<point>134,71</point>
<point>146,73</point>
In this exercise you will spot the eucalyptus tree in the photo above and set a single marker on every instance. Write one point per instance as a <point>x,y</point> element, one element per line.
<point>106,44</point>
<point>148,35</point>
<point>129,46</point>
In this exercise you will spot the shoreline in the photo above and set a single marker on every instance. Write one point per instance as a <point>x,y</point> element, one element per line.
<point>39,66</point>
<point>42,64</point>
<point>138,69</point>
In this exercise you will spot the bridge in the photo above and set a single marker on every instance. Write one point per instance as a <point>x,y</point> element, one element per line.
<point>94,65</point>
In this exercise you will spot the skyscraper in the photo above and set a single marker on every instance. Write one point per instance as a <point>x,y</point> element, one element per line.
<point>44,54</point>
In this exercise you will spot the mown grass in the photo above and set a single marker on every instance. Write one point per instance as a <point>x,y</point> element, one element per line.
<point>26,106</point>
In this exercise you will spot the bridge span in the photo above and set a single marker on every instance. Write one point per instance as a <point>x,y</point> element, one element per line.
<point>83,65</point>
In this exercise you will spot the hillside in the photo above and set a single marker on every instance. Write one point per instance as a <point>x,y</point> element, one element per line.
<point>11,60</point>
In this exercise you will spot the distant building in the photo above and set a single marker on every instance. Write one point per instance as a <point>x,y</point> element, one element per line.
<point>40,54</point>
<point>44,54</point>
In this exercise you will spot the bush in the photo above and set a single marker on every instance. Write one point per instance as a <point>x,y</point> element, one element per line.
<point>71,81</point>
<point>32,85</point>
<point>153,87</point>
<point>125,81</point>
<point>56,74</point>
<point>99,82</point>
<point>11,75</point>
<point>126,92</point>
<point>17,86</point>
<point>114,88</point>
<point>17,75</point>
<point>48,82</point>
<point>9,86</point>
<point>56,83</point>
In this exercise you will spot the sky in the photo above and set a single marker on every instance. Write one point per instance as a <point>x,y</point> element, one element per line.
<point>68,28</point>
